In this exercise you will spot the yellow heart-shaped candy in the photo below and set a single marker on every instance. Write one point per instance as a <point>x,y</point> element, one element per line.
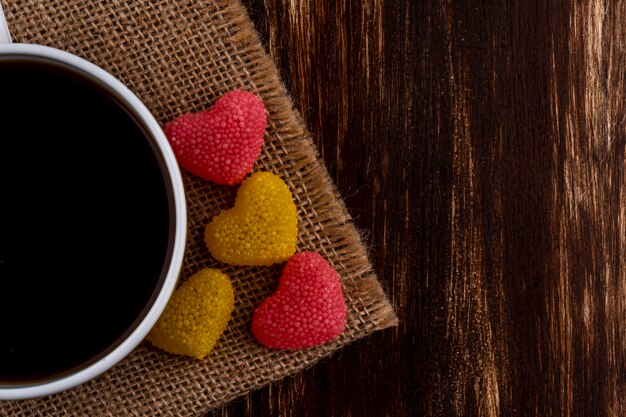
<point>196,315</point>
<point>262,227</point>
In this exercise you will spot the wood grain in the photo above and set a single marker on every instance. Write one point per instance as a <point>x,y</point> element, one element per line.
<point>481,146</point>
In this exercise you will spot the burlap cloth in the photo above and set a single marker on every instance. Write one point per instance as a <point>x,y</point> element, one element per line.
<point>180,56</point>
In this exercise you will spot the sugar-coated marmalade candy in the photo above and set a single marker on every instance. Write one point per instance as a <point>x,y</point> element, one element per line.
<point>262,227</point>
<point>222,143</point>
<point>196,315</point>
<point>307,310</point>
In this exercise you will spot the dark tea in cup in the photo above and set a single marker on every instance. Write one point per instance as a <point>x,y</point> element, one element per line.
<point>86,219</point>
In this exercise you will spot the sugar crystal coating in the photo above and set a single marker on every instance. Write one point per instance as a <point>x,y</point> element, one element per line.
<point>307,310</point>
<point>262,227</point>
<point>196,315</point>
<point>222,143</point>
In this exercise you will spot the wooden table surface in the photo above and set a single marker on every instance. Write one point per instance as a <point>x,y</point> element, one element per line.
<point>480,146</point>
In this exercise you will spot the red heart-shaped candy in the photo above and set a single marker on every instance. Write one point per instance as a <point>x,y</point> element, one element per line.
<point>307,310</point>
<point>220,144</point>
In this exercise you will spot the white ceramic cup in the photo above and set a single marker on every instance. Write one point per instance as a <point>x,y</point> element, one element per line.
<point>21,391</point>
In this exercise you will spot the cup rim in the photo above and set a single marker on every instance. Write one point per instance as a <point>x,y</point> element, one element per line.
<point>39,389</point>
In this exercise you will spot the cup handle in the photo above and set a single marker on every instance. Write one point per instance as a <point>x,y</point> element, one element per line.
<point>5,35</point>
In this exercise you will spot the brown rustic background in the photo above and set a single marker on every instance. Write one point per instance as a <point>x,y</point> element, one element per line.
<point>481,146</point>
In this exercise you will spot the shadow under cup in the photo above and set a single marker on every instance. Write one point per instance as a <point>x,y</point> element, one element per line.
<point>87,220</point>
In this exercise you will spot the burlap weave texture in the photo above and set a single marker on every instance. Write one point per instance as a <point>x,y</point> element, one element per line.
<point>180,56</point>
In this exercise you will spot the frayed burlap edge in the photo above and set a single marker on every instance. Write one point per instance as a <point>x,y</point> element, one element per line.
<point>179,56</point>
